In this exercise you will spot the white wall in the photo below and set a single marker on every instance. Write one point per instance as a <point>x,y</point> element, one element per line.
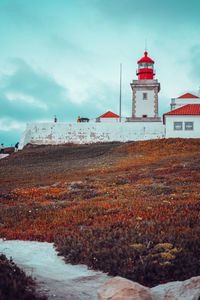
<point>81,133</point>
<point>108,120</point>
<point>170,132</point>
<point>112,120</point>
<point>145,107</point>
<point>179,102</point>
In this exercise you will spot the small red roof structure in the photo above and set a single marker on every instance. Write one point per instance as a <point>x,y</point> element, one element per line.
<point>109,114</point>
<point>188,95</point>
<point>145,59</point>
<point>189,109</point>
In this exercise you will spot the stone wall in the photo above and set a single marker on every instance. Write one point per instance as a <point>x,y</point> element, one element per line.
<point>82,133</point>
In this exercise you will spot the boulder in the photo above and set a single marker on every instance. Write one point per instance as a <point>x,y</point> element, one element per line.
<point>184,290</point>
<point>3,155</point>
<point>119,288</point>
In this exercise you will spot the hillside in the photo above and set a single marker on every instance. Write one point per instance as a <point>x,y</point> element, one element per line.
<point>129,209</point>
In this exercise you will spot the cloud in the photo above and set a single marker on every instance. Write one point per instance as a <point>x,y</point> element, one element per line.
<point>11,137</point>
<point>194,62</point>
<point>7,124</point>
<point>129,10</point>
<point>26,99</point>
<point>29,95</point>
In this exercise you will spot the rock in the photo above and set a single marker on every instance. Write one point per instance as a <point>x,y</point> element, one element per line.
<point>178,290</point>
<point>3,155</point>
<point>119,288</point>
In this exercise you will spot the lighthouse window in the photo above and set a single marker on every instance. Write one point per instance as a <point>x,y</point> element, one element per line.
<point>146,66</point>
<point>141,66</point>
<point>178,125</point>
<point>144,96</point>
<point>150,66</point>
<point>188,125</point>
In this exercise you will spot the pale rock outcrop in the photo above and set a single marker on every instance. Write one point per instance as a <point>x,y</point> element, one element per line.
<point>3,155</point>
<point>178,290</point>
<point>119,288</point>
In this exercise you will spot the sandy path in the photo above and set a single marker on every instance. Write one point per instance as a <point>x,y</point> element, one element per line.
<point>54,278</point>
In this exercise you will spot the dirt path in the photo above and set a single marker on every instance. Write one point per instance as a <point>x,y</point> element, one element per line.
<point>54,278</point>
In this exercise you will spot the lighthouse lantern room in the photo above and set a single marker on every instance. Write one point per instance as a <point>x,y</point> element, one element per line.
<point>145,68</point>
<point>145,92</point>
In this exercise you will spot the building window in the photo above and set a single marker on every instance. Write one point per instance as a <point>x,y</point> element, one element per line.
<point>144,96</point>
<point>178,125</point>
<point>144,116</point>
<point>189,126</point>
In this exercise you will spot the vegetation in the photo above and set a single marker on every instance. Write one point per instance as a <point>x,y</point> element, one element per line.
<point>14,284</point>
<point>128,209</point>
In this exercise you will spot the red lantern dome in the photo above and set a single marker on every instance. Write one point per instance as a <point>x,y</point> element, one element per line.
<point>145,68</point>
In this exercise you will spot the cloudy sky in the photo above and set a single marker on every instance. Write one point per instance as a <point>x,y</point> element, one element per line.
<point>62,57</point>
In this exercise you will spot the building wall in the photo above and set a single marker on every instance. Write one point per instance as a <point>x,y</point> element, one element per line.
<point>179,102</point>
<point>108,120</point>
<point>170,132</point>
<point>145,107</point>
<point>81,133</point>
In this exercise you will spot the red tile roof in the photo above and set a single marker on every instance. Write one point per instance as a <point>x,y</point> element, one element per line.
<point>109,114</point>
<point>189,109</point>
<point>187,95</point>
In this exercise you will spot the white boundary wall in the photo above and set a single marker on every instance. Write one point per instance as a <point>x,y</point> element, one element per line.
<point>83,133</point>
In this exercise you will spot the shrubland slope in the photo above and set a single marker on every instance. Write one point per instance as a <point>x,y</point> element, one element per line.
<point>129,209</point>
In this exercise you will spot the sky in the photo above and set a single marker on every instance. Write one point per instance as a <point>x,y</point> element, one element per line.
<point>62,57</point>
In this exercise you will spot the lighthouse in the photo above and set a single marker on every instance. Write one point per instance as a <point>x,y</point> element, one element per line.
<point>145,92</point>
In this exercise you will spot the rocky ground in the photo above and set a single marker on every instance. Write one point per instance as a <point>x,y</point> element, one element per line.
<point>37,165</point>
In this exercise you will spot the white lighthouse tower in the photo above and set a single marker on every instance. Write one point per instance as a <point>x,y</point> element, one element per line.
<point>145,93</point>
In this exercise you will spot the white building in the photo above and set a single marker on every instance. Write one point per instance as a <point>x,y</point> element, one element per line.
<point>183,122</point>
<point>184,100</point>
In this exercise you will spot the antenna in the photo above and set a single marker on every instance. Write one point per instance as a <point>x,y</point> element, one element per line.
<point>120,94</point>
<point>145,44</point>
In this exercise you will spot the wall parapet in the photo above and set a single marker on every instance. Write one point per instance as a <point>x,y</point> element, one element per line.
<point>85,133</point>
